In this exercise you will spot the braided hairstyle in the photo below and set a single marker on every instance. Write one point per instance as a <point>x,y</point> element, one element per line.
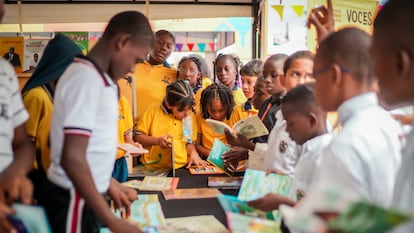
<point>234,58</point>
<point>198,64</point>
<point>179,93</point>
<point>217,91</point>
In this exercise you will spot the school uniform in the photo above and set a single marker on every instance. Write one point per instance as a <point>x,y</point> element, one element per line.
<point>267,113</point>
<point>242,111</point>
<point>238,95</point>
<point>86,104</point>
<point>156,122</point>
<point>207,133</point>
<point>12,112</point>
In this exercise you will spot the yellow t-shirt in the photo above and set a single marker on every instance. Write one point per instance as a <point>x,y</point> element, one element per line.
<point>208,134</point>
<point>205,82</point>
<point>125,123</point>
<point>151,82</point>
<point>43,141</point>
<point>157,122</point>
<point>242,111</point>
<point>239,97</point>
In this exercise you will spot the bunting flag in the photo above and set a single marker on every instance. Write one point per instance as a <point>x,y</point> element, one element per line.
<point>202,47</point>
<point>298,9</point>
<point>212,46</point>
<point>279,10</point>
<point>179,46</point>
<point>190,46</point>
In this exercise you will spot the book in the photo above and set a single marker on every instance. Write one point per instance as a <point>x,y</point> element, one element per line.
<point>209,170</point>
<point>29,218</point>
<point>215,156</point>
<point>232,204</point>
<point>225,182</point>
<point>132,149</point>
<point>239,223</point>
<point>250,127</point>
<point>152,183</point>
<point>193,224</point>
<point>142,171</point>
<point>191,193</point>
<point>132,184</point>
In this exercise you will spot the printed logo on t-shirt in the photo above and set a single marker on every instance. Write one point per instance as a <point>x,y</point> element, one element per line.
<point>283,146</point>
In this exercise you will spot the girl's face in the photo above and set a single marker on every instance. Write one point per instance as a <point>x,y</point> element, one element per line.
<point>188,70</point>
<point>248,85</point>
<point>216,110</point>
<point>179,113</point>
<point>226,71</point>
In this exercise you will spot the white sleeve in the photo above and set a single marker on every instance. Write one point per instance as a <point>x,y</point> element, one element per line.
<point>19,112</point>
<point>257,157</point>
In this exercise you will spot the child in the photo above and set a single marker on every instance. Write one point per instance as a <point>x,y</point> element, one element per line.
<point>306,125</point>
<point>205,71</point>
<point>84,129</point>
<point>226,69</point>
<point>249,74</point>
<point>217,103</point>
<point>162,126</point>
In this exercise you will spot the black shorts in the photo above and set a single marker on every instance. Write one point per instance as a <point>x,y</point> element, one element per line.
<point>67,211</point>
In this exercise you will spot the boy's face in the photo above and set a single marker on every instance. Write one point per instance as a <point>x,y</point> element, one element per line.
<point>163,47</point>
<point>299,72</point>
<point>248,85</point>
<point>326,89</point>
<point>226,71</point>
<point>188,70</point>
<point>260,94</point>
<point>272,71</point>
<point>298,125</point>
<point>216,110</point>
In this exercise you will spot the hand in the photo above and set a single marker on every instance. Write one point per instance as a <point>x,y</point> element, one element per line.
<point>5,225</point>
<point>236,140</point>
<point>269,202</point>
<point>120,199</point>
<point>15,186</point>
<point>129,192</point>
<point>120,226</point>
<point>322,18</point>
<point>235,155</point>
<point>137,144</point>
<point>196,160</point>
<point>164,142</point>
<point>275,171</point>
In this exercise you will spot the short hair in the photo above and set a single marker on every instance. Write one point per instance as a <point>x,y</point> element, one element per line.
<point>303,54</point>
<point>217,91</point>
<point>395,23</point>
<point>180,94</point>
<point>233,57</point>
<point>133,23</point>
<point>205,70</point>
<point>252,68</point>
<point>163,32</point>
<point>349,48</point>
<point>301,99</point>
<point>277,57</point>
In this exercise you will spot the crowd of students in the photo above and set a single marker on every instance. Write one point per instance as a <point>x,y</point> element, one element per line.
<point>88,108</point>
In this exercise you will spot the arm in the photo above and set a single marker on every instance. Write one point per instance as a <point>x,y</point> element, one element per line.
<point>164,141</point>
<point>239,140</point>
<point>270,202</point>
<point>200,148</point>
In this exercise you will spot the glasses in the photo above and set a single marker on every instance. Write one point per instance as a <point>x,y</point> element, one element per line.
<point>326,68</point>
<point>190,70</point>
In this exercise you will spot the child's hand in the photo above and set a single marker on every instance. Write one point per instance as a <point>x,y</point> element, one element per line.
<point>120,198</point>
<point>165,141</point>
<point>5,225</point>
<point>238,140</point>
<point>15,186</point>
<point>235,155</point>
<point>275,171</point>
<point>323,20</point>
<point>196,160</point>
<point>137,144</point>
<point>269,202</point>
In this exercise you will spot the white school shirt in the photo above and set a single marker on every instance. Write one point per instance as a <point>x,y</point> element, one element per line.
<point>12,111</point>
<point>309,160</point>
<point>85,104</point>
<point>364,158</point>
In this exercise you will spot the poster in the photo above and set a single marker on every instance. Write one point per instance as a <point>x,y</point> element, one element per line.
<point>33,51</point>
<point>80,38</point>
<point>11,49</point>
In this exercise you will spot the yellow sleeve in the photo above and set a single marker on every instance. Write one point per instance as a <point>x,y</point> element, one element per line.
<point>37,105</point>
<point>145,122</point>
<point>42,142</point>
<point>129,121</point>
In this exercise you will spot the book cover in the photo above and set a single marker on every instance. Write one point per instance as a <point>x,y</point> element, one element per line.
<point>216,153</point>
<point>225,182</point>
<point>191,193</point>
<point>142,171</point>
<point>29,218</point>
<point>132,184</point>
<point>193,224</point>
<point>209,170</point>
<point>232,204</point>
<point>152,183</point>
<point>239,223</point>
<point>250,127</point>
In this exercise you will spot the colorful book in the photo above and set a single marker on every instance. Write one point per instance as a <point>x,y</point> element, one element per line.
<point>209,170</point>
<point>199,224</point>
<point>250,127</point>
<point>225,182</point>
<point>191,193</point>
<point>153,183</point>
<point>239,223</point>
<point>215,156</point>
<point>142,171</point>
<point>29,218</point>
<point>232,204</point>
<point>132,184</point>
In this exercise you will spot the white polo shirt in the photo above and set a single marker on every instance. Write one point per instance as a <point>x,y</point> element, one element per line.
<point>85,104</point>
<point>12,111</point>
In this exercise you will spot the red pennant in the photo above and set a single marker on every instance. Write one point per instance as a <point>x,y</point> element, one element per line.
<point>212,46</point>
<point>190,46</point>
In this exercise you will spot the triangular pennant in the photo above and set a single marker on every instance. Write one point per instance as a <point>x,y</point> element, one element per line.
<point>279,10</point>
<point>179,46</point>
<point>298,9</point>
<point>190,46</point>
<point>212,46</point>
<point>202,47</point>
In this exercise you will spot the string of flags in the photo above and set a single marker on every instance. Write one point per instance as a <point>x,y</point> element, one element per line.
<point>192,46</point>
<point>298,9</point>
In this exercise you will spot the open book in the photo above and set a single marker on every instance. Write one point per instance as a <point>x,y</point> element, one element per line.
<point>132,149</point>
<point>250,127</point>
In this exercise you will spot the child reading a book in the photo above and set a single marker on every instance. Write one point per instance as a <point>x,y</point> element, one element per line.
<point>306,125</point>
<point>226,70</point>
<point>163,129</point>
<point>217,103</point>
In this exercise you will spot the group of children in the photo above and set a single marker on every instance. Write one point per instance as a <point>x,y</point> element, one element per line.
<point>290,94</point>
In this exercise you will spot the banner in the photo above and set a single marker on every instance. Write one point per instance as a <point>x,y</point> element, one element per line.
<point>80,38</point>
<point>11,49</point>
<point>33,51</point>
